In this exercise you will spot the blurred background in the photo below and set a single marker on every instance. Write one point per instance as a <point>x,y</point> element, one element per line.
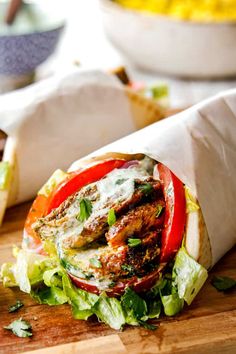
<point>187,46</point>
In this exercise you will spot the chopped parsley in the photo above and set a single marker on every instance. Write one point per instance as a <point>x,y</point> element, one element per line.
<point>112,284</point>
<point>121,181</point>
<point>133,242</point>
<point>95,262</point>
<point>146,188</point>
<point>85,209</point>
<point>111,217</point>
<point>20,328</point>
<point>128,268</point>
<point>16,306</point>
<point>148,325</point>
<point>159,210</point>
<point>223,283</point>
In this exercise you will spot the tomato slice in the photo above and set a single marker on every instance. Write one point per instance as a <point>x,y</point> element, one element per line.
<point>175,213</point>
<point>76,180</point>
<point>37,210</point>
<point>139,285</point>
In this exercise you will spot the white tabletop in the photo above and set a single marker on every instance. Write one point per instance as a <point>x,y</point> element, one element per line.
<point>84,40</point>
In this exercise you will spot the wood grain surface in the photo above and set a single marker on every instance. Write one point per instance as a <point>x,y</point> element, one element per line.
<point>207,326</point>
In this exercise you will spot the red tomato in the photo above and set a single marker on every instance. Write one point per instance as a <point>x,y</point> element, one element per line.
<point>175,213</point>
<point>76,180</point>
<point>137,284</point>
<point>37,210</point>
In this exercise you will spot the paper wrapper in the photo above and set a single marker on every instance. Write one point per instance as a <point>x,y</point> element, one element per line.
<point>53,122</point>
<point>199,146</point>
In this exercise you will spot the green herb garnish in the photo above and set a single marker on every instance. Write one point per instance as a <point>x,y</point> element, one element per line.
<point>159,210</point>
<point>121,181</point>
<point>223,283</point>
<point>112,284</point>
<point>95,262</point>
<point>127,268</point>
<point>133,242</point>
<point>148,325</point>
<point>20,328</point>
<point>111,217</point>
<point>16,306</point>
<point>146,188</point>
<point>85,209</point>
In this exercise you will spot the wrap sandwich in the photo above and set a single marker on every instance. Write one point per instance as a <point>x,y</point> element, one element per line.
<point>130,231</point>
<point>111,232</point>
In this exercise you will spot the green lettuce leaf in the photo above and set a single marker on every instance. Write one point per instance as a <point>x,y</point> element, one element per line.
<point>27,271</point>
<point>4,175</point>
<point>109,311</point>
<point>172,304</point>
<point>7,275</point>
<point>82,302</point>
<point>135,308</point>
<point>188,275</point>
<point>51,296</point>
<point>53,277</point>
<point>154,309</point>
<point>191,202</point>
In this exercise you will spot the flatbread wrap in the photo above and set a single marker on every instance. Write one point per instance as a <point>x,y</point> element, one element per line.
<point>118,228</point>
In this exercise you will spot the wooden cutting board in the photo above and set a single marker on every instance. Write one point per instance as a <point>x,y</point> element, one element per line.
<point>207,326</point>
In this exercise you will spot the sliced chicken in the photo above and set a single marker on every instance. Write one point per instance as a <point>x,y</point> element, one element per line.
<point>125,261</point>
<point>64,221</point>
<point>136,221</point>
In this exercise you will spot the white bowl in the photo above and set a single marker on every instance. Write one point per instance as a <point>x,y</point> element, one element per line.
<point>162,44</point>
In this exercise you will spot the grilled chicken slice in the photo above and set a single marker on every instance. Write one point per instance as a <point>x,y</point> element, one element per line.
<point>110,264</point>
<point>136,221</point>
<point>64,222</point>
<point>125,261</point>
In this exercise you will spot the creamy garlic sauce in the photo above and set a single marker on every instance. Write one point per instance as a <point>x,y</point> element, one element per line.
<point>116,187</point>
<point>119,184</point>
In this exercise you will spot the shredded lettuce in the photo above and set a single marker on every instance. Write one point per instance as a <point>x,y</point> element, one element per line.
<point>57,177</point>
<point>82,302</point>
<point>27,271</point>
<point>172,304</point>
<point>48,283</point>
<point>188,275</point>
<point>50,296</point>
<point>154,309</point>
<point>191,201</point>
<point>4,175</point>
<point>109,311</point>
<point>135,308</point>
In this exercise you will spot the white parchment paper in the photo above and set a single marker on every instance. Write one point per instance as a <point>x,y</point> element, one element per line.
<point>199,146</point>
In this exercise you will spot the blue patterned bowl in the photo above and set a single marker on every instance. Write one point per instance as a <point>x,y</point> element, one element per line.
<point>29,41</point>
